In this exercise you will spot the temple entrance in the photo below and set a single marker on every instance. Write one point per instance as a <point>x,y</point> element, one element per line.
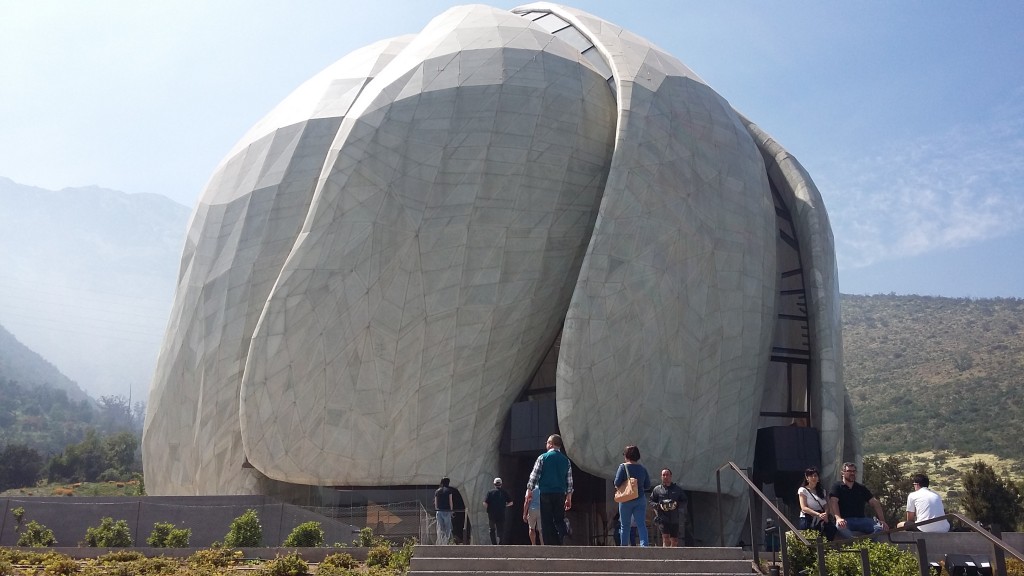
<point>529,423</point>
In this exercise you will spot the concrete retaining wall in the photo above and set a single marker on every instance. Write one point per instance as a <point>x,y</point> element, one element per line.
<point>209,517</point>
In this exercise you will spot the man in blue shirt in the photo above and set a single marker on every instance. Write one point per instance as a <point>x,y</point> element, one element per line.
<point>552,473</point>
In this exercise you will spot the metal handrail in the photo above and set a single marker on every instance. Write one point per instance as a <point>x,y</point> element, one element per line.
<point>999,548</point>
<point>778,514</point>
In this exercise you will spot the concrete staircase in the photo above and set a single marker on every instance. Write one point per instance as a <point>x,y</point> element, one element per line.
<point>574,560</point>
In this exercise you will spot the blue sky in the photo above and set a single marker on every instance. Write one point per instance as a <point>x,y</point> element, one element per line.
<point>908,115</point>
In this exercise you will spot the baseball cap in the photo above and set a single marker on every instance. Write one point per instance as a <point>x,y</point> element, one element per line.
<point>497,481</point>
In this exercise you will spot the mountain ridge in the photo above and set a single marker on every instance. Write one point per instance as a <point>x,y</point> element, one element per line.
<point>21,364</point>
<point>87,279</point>
<point>923,372</point>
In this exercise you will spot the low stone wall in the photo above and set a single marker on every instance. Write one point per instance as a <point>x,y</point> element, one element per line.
<point>209,517</point>
<point>938,545</point>
<point>315,555</point>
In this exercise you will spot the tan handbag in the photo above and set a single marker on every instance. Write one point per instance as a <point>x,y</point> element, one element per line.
<point>628,491</point>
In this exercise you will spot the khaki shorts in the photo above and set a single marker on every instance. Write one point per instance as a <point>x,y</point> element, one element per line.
<point>533,519</point>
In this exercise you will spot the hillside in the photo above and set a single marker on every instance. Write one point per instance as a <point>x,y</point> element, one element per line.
<point>20,364</point>
<point>87,278</point>
<point>930,373</point>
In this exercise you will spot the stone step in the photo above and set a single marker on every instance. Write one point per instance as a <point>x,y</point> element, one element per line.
<point>520,573</point>
<point>578,565</point>
<point>577,560</point>
<point>590,552</point>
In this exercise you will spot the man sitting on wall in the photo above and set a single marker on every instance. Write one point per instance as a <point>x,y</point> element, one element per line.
<point>846,501</point>
<point>924,504</point>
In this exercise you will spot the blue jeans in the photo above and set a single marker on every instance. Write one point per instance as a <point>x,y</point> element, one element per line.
<point>444,526</point>
<point>634,509</point>
<point>862,525</point>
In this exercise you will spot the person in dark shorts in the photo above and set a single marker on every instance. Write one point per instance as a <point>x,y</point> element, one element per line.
<point>669,502</point>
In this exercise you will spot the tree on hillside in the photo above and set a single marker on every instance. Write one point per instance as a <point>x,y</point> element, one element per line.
<point>989,499</point>
<point>115,414</point>
<point>19,466</point>
<point>120,452</point>
<point>82,462</point>
<point>889,481</point>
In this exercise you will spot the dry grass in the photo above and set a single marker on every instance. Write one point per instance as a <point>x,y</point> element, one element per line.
<point>945,469</point>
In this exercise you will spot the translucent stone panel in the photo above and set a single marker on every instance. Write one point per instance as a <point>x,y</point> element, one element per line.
<point>436,265</point>
<point>666,340</point>
<point>244,226</point>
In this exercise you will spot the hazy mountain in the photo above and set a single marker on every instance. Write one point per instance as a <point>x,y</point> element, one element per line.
<point>87,278</point>
<point>27,368</point>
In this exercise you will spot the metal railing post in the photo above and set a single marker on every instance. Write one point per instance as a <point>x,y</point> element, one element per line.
<point>865,566</point>
<point>821,557</point>
<point>998,556</point>
<point>782,548</point>
<point>922,557</point>
<point>3,519</point>
<point>721,525</point>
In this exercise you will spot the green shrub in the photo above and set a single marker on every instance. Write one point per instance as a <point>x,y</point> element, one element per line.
<point>165,535</point>
<point>179,538</point>
<point>339,560</point>
<point>120,556</point>
<point>18,556</point>
<point>402,558</point>
<point>6,568</point>
<point>245,531</point>
<point>366,539</point>
<point>1014,567</point>
<point>212,557</point>
<point>287,565</point>
<point>109,534</point>
<point>885,560</point>
<point>158,565</point>
<point>158,537</point>
<point>60,565</point>
<point>110,475</point>
<point>337,571</point>
<point>379,555</point>
<point>19,515</point>
<point>306,535</point>
<point>36,535</point>
<point>800,556</point>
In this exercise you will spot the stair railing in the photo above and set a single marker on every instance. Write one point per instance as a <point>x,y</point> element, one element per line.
<point>819,545</point>
<point>999,548</point>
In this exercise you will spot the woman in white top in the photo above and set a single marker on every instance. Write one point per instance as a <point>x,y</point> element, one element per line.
<point>814,504</point>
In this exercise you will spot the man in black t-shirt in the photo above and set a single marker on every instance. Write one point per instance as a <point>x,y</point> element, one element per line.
<point>669,502</point>
<point>443,505</point>
<point>496,502</point>
<point>846,501</point>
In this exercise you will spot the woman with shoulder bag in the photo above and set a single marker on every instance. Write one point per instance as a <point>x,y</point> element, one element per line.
<point>631,485</point>
<point>814,505</point>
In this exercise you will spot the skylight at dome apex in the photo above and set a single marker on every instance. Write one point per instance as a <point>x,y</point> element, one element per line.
<point>511,208</point>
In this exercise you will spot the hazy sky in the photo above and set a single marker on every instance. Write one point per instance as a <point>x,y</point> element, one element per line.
<point>908,115</point>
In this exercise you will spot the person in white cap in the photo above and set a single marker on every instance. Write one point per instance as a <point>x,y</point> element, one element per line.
<point>496,502</point>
